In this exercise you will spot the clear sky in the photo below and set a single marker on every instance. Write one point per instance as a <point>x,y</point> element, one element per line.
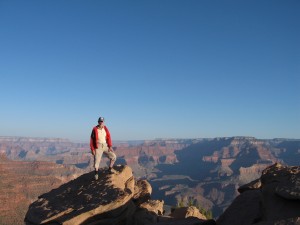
<point>152,68</point>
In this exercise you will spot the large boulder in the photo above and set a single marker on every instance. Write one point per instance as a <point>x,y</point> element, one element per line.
<point>85,200</point>
<point>155,206</point>
<point>142,191</point>
<point>272,199</point>
<point>245,209</point>
<point>281,193</point>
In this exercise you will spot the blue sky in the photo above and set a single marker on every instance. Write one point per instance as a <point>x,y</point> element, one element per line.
<point>153,69</point>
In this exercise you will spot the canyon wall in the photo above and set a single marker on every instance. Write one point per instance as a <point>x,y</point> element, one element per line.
<point>208,171</point>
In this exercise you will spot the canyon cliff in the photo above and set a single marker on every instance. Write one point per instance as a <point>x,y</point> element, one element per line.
<point>207,172</point>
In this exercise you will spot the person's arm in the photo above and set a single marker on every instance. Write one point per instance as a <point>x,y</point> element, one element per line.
<point>92,147</point>
<point>108,139</point>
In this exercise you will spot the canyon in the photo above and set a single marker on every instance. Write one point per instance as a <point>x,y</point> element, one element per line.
<point>206,171</point>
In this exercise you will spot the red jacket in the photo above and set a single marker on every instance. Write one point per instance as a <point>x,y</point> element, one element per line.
<point>94,138</point>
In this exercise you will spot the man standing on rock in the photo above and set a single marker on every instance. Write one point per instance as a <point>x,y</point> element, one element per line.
<point>101,143</point>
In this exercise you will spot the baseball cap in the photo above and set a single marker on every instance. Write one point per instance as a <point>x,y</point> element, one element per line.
<point>101,119</point>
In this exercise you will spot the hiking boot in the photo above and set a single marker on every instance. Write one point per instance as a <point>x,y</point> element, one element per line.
<point>110,171</point>
<point>96,176</point>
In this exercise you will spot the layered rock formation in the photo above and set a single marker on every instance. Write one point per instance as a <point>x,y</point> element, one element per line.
<point>21,183</point>
<point>214,169</point>
<point>58,150</point>
<point>208,170</point>
<point>113,199</point>
<point>274,198</point>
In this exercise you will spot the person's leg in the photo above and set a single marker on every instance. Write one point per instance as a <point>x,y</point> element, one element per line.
<point>112,156</point>
<point>97,160</point>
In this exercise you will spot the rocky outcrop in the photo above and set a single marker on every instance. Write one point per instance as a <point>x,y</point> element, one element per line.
<point>142,191</point>
<point>84,199</point>
<point>274,198</point>
<point>112,199</point>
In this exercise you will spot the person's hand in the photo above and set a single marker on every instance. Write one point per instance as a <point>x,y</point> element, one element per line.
<point>110,149</point>
<point>93,152</point>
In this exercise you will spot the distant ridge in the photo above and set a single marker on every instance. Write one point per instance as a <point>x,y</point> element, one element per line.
<point>32,139</point>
